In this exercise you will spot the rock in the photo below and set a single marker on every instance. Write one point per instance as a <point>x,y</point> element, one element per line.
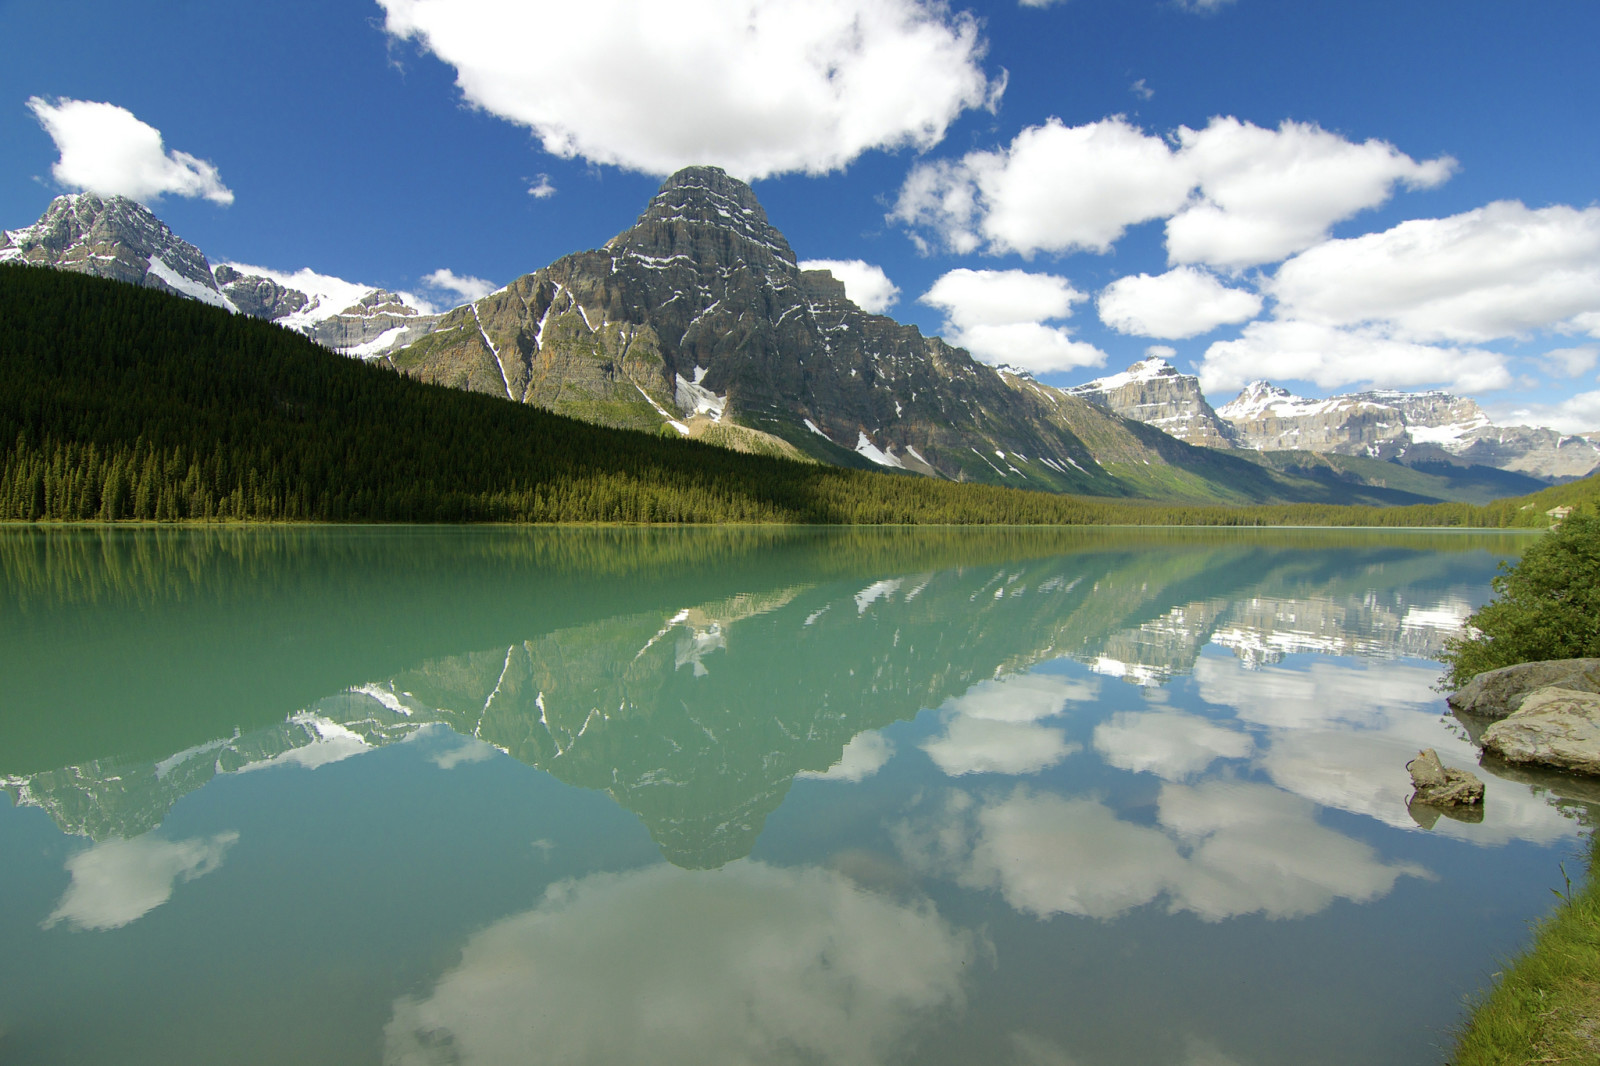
<point>1153,392</point>
<point>1555,727</point>
<point>1439,786</point>
<point>1499,693</point>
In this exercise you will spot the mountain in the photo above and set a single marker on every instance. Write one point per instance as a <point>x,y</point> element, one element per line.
<point>114,237</point>
<point>1153,392</point>
<point>697,321</point>
<point>1416,428</point>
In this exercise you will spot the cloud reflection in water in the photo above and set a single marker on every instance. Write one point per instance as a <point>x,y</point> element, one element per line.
<point>748,964</point>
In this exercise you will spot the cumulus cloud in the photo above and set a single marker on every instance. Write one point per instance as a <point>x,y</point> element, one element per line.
<point>1181,303</point>
<point>1056,188</point>
<point>118,881</point>
<point>1332,357</point>
<point>465,287</point>
<point>1570,362</point>
<point>542,189</point>
<point>105,150</point>
<point>1264,194</point>
<point>1204,7</point>
<point>1234,194</point>
<point>1498,271</point>
<point>758,87</point>
<point>1576,414</point>
<point>1001,316</point>
<point>1141,90</point>
<point>868,287</point>
<point>750,963</point>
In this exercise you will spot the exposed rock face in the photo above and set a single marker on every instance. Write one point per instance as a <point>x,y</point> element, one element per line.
<point>257,296</point>
<point>1415,427</point>
<point>1555,727</point>
<point>1270,418</point>
<point>113,237</point>
<point>1500,693</point>
<point>1153,392</point>
<point>700,309</point>
<point>1438,785</point>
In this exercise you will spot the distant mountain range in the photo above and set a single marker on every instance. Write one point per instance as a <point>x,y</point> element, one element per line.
<point>1423,430</point>
<point>697,321</point>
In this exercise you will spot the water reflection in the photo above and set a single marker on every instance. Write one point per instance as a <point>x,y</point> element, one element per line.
<point>699,714</point>
<point>1219,849</point>
<point>119,881</point>
<point>748,964</point>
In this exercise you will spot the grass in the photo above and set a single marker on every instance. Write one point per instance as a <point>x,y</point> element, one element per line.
<point>1546,1006</point>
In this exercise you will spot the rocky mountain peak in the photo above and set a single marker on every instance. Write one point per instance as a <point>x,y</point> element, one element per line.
<point>711,219</point>
<point>113,237</point>
<point>1152,391</point>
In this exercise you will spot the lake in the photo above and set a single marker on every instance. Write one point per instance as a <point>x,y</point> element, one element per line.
<point>483,796</point>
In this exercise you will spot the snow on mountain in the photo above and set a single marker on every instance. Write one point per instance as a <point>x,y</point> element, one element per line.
<point>1152,391</point>
<point>325,294</point>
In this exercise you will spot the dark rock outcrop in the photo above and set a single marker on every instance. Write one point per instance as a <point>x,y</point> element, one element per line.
<point>1153,392</point>
<point>1496,694</point>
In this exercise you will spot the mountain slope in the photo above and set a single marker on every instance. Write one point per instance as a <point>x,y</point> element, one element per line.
<point>115,237</point>
<point>700,309</point>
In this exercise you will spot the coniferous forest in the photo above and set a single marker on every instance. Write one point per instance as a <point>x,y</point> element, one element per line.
<point>124,403</point>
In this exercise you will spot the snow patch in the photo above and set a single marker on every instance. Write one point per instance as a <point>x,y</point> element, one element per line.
<point>378,345</point>
<point>188,286</point>
<point>864,446</point>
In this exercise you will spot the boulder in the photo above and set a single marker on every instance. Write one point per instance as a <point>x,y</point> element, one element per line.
<point>1555,727</point>
<point>1440,786</point>
<point>1499,693</point>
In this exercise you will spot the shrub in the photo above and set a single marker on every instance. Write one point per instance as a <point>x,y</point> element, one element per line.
<point>1547,607</point>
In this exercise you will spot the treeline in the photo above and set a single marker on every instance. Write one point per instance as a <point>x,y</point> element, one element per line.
<point>124,403</point>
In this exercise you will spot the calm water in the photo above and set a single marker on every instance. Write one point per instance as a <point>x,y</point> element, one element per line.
<point>504,796</point>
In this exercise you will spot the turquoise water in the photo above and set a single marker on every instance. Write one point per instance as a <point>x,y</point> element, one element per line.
<point>610,796</point>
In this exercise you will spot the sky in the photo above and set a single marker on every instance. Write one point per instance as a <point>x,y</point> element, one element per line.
<point>1331,196</point>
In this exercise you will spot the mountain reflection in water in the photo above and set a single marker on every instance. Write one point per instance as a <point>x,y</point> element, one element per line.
<point>957,734</point>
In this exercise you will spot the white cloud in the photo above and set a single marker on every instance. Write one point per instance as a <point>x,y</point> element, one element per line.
<point>1498,271</point>
<point>1235,194</point>
<point>1332,357</point>
<point>1181,303</point>
<point>1001,316</point>
<point>1056,188</point>
<point>1141,90</point>
<point>118,881</point>
<point>750,963</point>
<point>1169,744</point>
<point>1264,194</point>
<point>542,189</point>
<point>1570,362</point>
<point>864,756</point>
<point>1204,7</point>
<point>105,150</point>
<point>1576,414</point>
<point>867,286</point>
<point>1023,697</point>
<point>758,87</point>
<point>466,287</point>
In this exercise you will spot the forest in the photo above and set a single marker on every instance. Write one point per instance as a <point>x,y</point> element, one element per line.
<point>123,403</point>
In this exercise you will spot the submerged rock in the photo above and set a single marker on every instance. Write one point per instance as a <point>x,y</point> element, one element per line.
<point>1555,727</point>
<point>1437,785</point>
<point>1501,693</point>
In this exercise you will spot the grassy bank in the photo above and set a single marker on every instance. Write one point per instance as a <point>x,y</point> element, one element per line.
<point>1546,1005</point>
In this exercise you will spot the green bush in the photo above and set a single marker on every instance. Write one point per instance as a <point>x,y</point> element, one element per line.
<point>1548,607</point>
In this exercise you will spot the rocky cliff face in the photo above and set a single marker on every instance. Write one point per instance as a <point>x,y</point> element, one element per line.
<point>699,316</point>
<point>114,237</point>
<point>1153,392</point>
<point>1414,427</point>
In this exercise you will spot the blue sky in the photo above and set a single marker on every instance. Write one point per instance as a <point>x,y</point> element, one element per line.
<point>1328,195</point>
